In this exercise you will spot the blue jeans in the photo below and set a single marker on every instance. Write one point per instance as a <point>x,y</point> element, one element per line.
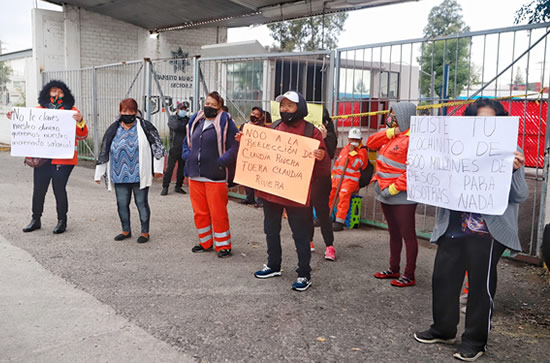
<point>123,198</point>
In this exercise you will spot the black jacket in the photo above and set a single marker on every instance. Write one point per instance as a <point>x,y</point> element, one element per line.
<point>178,132</point>
<point>151,132</point>
<point>331,141</point>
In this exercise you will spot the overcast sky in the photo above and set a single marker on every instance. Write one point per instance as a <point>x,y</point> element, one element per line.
<point>395,22</point>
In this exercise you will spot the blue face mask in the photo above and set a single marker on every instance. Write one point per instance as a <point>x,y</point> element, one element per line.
<point>182,113</point>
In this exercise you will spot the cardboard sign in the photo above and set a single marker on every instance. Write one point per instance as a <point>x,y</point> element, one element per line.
<point>314,113</point>
<point>462,163</point>
<point>43,133</point>
<point>276,162</point>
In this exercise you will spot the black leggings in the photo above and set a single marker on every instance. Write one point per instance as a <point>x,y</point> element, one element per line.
<point>59,175</point>
<point>320,193</point>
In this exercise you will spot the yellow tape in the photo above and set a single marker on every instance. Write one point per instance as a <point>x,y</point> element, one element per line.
<point>439,105</point>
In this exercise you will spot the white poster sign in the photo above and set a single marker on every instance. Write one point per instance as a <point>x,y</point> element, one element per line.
<point>462,163</point>
<point>43,133</point>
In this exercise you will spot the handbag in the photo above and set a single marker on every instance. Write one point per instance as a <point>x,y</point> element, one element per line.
<point>35,162</point>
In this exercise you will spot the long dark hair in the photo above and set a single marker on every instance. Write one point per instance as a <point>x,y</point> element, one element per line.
<point>471,110</point>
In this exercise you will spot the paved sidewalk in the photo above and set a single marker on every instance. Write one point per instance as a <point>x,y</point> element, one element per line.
<point>67,293</point>
<point>45,319</point>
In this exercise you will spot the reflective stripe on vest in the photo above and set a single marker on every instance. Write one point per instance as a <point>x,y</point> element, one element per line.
<point>392,163</point>
<point>388,175</point>
<point>357,162</point>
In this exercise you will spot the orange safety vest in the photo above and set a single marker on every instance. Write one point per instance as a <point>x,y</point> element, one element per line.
<point>391,167</point>
<point>357,161</point>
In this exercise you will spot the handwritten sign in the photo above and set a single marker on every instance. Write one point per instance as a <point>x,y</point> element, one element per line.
<point>462,163</point>
<point>42,133</point>
<point>314,113</point>
<point>276,162</point>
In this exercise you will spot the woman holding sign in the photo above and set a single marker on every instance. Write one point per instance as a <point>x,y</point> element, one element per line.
<point>472,242</point>
<point>208,150</point>
<point>293,110</point>
<point>55,95</point>
<point>390,186</point>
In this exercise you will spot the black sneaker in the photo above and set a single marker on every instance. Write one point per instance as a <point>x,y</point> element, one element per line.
<point>427,337</point>
<point>199,248</point>
<point>266,272</point>
<point>467,354</point>
<point>164,191</point>
<point>142,239</point>
<point>122,236</point>
<point>224,253</point>
<point>180,190</point>
<point>337,226</point>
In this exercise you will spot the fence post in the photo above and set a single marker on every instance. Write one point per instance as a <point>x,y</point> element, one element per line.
<point>330,78</point>
<point>148,84</point>
<point>196,84</point>
<point>95,118</point>
<point>544,215</point>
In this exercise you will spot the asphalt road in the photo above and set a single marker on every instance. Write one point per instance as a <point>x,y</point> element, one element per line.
<point>179,305</point>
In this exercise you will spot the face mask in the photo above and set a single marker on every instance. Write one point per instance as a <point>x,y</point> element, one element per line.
<point>355,143</point>
<point>55,100</point>
<point>390,120</point>
<point>253,119</point>
<point>128,119</point>
<point>288,117</point>
<point>210,112</point>
<point>182,113</point>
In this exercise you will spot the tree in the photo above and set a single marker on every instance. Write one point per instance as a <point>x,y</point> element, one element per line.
<point>5,73</point>
<point>313,33</point>
<point>446,19</point>
<point>518,78</point>
<point>537,11</point>
<point>360,87</point>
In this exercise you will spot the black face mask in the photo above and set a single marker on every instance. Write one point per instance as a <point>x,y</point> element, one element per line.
<point>253,119</point>
<point>128,119</point>
<point>210,112</point>
<point>288,117</point>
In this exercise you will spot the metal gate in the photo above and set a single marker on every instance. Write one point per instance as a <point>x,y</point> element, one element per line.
<point>248,81</point>
<point>454,68</point>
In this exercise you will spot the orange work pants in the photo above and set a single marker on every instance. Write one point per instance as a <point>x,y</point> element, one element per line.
<point>209,201</point>
<point>344,196</point>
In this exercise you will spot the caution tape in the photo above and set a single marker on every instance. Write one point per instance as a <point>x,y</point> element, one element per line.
<point>440,105</point>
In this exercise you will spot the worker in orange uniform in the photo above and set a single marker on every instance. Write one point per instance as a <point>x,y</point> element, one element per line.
<point>345,176</point>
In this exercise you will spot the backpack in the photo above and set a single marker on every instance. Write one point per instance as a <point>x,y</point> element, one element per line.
<point>366,175</point>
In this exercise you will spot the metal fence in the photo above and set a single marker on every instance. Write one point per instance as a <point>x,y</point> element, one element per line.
<point>249,81</point>
<point>499,63</point>
<point>494,63</point>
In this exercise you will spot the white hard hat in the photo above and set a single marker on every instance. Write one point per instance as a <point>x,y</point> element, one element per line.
<point>354,133</point>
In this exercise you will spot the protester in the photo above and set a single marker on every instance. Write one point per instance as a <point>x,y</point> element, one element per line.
<point>257,118</point>
<point>177,124</point>
<point>390,187</point>
<point>293,109</point>
<point>54,95</point>
<point>131,153</point>
<point>472,242</point>
<point>346,173</point>
<point>209,150</point>
<point>320,190</point>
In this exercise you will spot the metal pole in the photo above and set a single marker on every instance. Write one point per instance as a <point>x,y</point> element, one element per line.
<point>196,84</point>
<point>94,113</point>
<point>148,81</point>
<point>330,80</point>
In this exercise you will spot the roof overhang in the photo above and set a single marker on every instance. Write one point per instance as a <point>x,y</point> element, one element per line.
<point>166,15</point>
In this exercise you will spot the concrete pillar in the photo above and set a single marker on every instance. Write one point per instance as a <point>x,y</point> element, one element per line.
<point>71,48</point>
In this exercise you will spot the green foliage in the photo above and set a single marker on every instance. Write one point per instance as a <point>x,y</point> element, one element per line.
<point>446,19</point>
<point>537,11</point>
<point>5,73</point>
<point>313,33</point>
